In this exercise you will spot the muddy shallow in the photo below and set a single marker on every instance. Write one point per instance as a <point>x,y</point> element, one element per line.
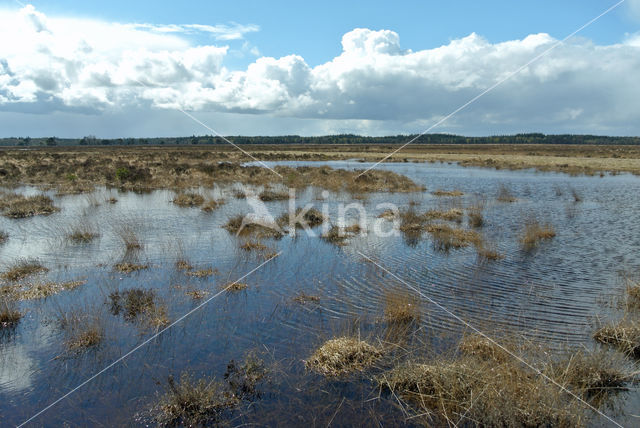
<point>552,293</point>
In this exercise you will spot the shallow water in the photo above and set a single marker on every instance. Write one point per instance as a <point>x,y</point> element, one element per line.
<point>553,293</point>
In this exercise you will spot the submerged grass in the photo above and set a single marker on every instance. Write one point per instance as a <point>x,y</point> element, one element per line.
<point>238,226</point>
<point>139,303</point>
<point>401,306</point>
<point>9,313</point>
<point>342,356</point>
<point>534,232</point>
<point>3,237</point>
<point>82,328</point>
<point>447,193</point>
<point>46,289</point>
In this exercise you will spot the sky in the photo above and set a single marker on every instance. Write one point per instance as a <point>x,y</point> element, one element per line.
<point>146,69</point>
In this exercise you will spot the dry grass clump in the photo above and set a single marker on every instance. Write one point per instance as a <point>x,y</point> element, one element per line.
<point>488,253</point>
<point>505,195</point>
<point>128,267</point>
<point>454,214</point>
<point>9,314</point>
<point>632,296</point>
<point>235,286</point>
<point>388,215</point>
<point>129,237</point>
<point>337,235</point>
<point>341,356</point>
<point>19,206</point>
<point>482,393</point>
<point>304,298</point>
<point>401,306</point>
<point>312,217</point>
<point>197,294</point>
<point>188,199</point>
<point>478,346</point>
<point>3,237</point>
<point>271,195</point>
<point>82,234</point>
<point>623,335</point>
<point>200,273</point>
<point>82,330</point>
<point>411,221</point>
<point>183,264</point>
<point>253,246</point>
<point>135,302</point>
<point>23,269</point>
<point>44,290</point>
<point>112,200</point>
<point>592,375</point>
<point>534,232</point>
<point>211,205</point>
<point>446,237</point>
<point>194,403</point>
<point>447,193</point>
<point>236,226</point>
<point>476,218</point>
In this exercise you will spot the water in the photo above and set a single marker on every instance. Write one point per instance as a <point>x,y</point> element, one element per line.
<point>552,293</point>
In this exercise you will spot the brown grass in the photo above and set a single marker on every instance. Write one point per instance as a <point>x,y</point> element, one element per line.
<point>271,195</point>
<point>535,232</point>
<point>188,199</point>
<point>483,393</point>
<point>488,253</point>
<point>505,195</point>
<point>9,314</point>
<point>253,246</point>
<point>200,273</point>
<point>23,269</point>
<point>446,237</point>
<point>304,298</point>
<point>129,237</point>
<point>194,403</point>
<point>337,235</point>
<point>342,356</point>
<point>139,303</point>
<point>44,290</point>
<point>235,286</point>
<point>234,225</point>
<point>401,306</point>
<point>82,330</point>
<point>623,335</point>
<point>478,346</point>
<point>3,237</point>
<point>82,234</point>
<point>594,376</point>
<point>476,218</point>
<point>311,217</point>
<point>454,214</point>
<point>211,205</point>
<point>128,267</point>
<point>447,193</point>
<point>19,206</point>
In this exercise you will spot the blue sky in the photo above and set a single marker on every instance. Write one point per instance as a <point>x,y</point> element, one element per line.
<point>252,67</point>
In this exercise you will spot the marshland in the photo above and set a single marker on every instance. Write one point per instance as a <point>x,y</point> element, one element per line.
<point>491,297</point>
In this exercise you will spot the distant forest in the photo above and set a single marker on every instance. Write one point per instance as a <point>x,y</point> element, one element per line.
<point>534,138</point>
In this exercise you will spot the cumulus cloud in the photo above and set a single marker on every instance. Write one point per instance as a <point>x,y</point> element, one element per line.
<point>92,66</point>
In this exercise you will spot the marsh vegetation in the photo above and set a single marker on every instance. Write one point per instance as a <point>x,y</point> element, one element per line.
<point>344,317</point>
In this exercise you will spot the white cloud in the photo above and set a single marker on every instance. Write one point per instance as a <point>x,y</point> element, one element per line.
<point>93,66</point>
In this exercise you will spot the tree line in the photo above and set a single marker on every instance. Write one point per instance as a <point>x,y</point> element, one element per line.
<point>531,138</point>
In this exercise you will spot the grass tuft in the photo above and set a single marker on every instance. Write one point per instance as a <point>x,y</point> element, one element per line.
<point>623,335</point>
<point>194,403</point>
<point>23,269</point>
<point>9,314</point>
<point>341,356</point>
<point>19,206</point>
<point>128,267</point>
<point>401,307</point>
<point>505,195</point>
<point>447,193</point>
<point>82,330</point>
<point>534,232</point>
<point>188,199</point>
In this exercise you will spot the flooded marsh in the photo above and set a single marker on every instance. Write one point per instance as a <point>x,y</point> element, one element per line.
<point>330,315</point>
